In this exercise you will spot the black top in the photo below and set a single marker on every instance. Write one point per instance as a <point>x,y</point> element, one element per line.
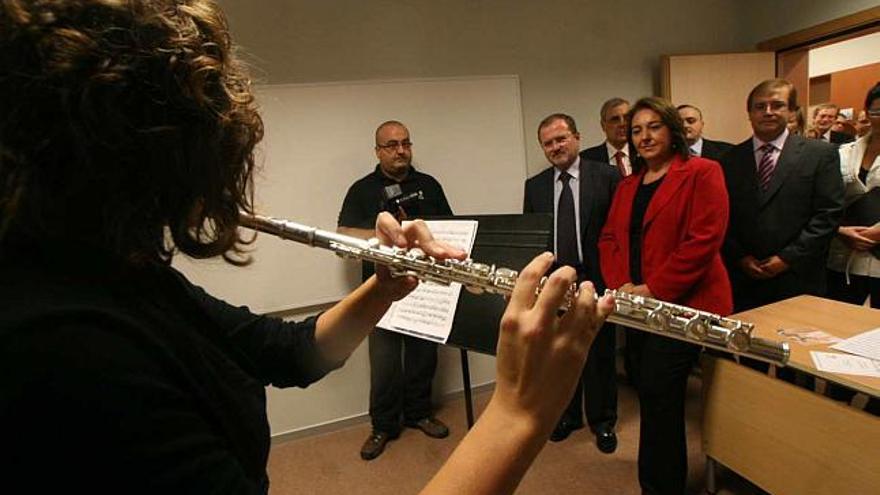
<point>364,201</point>
<point>117,379</point>
<point>640,205</point>
<point>863,175</point>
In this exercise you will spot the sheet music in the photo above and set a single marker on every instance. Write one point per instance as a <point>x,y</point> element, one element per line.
<point>865,344</point>
<point>427,312</point>
<point>834,362</point>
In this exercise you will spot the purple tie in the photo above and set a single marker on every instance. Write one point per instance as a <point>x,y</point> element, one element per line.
<point>766,166</point>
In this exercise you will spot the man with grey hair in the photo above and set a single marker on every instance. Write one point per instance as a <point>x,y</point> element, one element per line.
<point>824,116</point>
<point>615,151</point>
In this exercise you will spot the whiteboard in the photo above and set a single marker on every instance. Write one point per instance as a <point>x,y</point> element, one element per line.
<point>466,132</point>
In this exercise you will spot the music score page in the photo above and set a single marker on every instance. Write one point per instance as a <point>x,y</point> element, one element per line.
<point>428,311</point>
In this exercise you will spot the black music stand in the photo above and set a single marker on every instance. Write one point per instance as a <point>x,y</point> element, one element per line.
<point>509,241</point>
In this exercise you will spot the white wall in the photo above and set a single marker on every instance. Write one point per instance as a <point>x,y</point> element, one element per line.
<point>570,55</point>
<point>849,54</point>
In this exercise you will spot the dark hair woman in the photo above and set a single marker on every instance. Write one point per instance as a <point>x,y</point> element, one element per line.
<point>853,262</point>
<point>663,239</point>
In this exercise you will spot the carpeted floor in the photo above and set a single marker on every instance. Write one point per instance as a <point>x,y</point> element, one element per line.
<point>329,463</point>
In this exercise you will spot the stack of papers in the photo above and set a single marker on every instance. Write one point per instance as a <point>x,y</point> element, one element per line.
<point>863,356</point>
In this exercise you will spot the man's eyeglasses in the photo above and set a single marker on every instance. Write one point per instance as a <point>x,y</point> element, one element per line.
<point>393,145</point>
<point>775,106</point>
<point>874,112</point>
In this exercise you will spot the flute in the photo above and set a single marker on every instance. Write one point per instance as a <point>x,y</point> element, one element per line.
<point>638,312</point>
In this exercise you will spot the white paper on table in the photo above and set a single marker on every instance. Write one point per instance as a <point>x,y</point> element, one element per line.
<point>428,311</point>
<point>834,362</point>
<point>865,344</point>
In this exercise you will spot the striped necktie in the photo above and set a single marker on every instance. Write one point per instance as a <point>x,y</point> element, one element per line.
<point>618,160</point>
<point>766,165</point>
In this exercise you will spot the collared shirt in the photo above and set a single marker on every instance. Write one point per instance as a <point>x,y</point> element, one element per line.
<point>827,136</point>
<point>574,184</point>
<point>627,163</point>
<point>777,144</point>
<point>697,148</point>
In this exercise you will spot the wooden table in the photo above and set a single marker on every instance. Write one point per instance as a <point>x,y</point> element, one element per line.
<point>783,438</point>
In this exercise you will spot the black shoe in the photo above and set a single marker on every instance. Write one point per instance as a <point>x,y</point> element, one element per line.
<point>375,444</point>
<point>430,426</point>
<point>563,430</point>
<point>606,441</point>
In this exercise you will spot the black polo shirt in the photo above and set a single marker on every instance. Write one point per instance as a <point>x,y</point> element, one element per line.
<point>364,201</point>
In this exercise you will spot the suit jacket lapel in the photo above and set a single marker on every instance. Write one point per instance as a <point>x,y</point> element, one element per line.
<point>546,189</point>
<point>788,160</point>
<point>672,182</point>
<point>587,182</point>
<point>708,149</point>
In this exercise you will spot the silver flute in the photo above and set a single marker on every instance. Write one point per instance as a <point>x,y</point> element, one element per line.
<point>639,312</point>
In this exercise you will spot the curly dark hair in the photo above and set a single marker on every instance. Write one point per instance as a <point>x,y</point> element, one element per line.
<point>124,124</point>
<point>670,118</point>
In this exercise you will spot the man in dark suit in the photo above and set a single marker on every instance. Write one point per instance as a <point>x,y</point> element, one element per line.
<point>786,199</point>
<point>824,117</point>
<point>693,128</point>
<point>578,192</point>
<point>615,150</point>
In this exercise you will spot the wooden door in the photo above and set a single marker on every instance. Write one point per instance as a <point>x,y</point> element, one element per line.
<point>717,84</point>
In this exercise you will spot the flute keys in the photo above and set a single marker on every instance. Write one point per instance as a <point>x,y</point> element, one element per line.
<point>658,319</point>
<point>416,254</point>
<point>739,340</point>
<point>508,275</point>
<point>696,328</point>
<point>479,269</point>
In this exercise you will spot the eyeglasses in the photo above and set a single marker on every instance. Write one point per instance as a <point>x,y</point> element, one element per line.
<point>874,112</point>
<point>775,105</point>
<point>393,145</point>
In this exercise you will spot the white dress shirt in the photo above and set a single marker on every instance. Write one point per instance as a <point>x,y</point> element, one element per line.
<point>777,144</point>
<point>697,148</point>
<point>627,163</point>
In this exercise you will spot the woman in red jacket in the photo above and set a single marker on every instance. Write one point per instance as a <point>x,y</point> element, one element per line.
<point>662,239</point>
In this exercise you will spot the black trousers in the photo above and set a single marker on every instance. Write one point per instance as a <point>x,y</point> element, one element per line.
<point>856,292</point>
<point>859,288</point>
<point>596,392</point>
<point>664,367</point>
<point>401,371</point>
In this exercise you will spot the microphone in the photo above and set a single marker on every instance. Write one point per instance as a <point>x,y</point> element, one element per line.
<point>393,198</point>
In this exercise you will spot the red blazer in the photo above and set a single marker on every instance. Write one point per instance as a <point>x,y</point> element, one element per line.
<point>682,234</point>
